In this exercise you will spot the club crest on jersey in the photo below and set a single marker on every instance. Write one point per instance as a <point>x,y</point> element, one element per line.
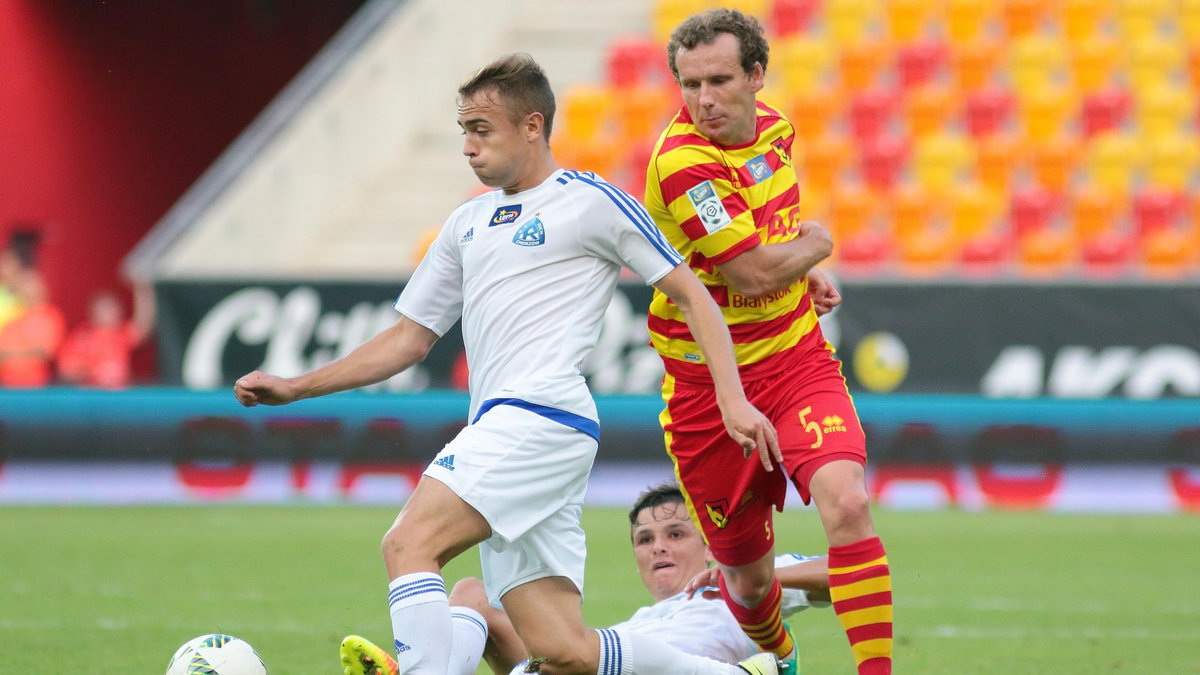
<point>708,206</point>
<point>781,148</point>
<point>759,169</point>
<point>505,215</point>
<point>532,233</point>
<point>718,512</point>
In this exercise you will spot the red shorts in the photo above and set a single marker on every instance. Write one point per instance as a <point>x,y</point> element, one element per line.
<point>730,496</point>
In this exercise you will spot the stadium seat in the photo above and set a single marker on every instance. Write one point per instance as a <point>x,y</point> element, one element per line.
<point>882,159</point>
<point>913,209</point>
<point>1096,209</point>
<point>1036,62</point>
<point>758,8</point>
<point>998,158</point>
<point>1104,110</point>
<point>852,208</point>
<point>593,154</point>
<point>1138,19</point>
<point>1168,252</point>
<point>792,16</point>
<point>939,161</point>
<point>865,252</point>
<point>861,62</point>
<point>669,13</point>
<point>813,111</point>
<point>920,62</point>
<point>987,110</point>
<point>1193,64</point>
<point>641,110</point>
<point>1046,252</point>
<point>1189,20</point>
<point>1172,160</point>
<point>850,21</point>
<point>805,62</point>
<point>870,111</point>
<point>587,110</point>
<point>974,210</point>
<point>635,60</point>
<point>1164,110</point>
<point>975,62</point>
<point>907,20</point>
<point>1045,112</point>
<point>1094,62</point>
<point>824,160</point>
<point>1108,254</point>
<point>1054,161</point>
<point>981,255</point>
<point>1031,208</point>
<point>1111,159</point>
<point>1081,19</point>
<point>929,108</point>
<point>1157,209</point>
<point>1154,62</point>
<point>1023,17</point>
<point>927,251</point>
<point>967,20</point>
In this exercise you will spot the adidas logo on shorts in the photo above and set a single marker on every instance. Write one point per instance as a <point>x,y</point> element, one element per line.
<point>446,462</point>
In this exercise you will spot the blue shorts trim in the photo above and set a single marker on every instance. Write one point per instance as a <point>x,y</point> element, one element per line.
<point>568,419</point>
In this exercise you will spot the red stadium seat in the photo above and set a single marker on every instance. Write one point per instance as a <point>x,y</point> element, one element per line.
<point>865,252</point>
<point>882,161</point>
<point>988,110</point>
<point>1032,208</point>
<point>983,254</point>
<point>1108,253</point>
<point>1157,209</point>
<point>636,60</point>
<point>792,16</point>
<point>1104,110</point>
<point>870,112</point>
<point>920,62</point>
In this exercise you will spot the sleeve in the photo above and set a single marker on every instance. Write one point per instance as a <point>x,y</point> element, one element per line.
<point>795,600</point>
<point>617,228</point>
<point>697,191</point>
<point>433,296</point>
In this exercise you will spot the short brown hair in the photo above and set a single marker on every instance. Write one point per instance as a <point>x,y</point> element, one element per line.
<point>520,82</point>
<point>703,28</point>
<point>663,493</point>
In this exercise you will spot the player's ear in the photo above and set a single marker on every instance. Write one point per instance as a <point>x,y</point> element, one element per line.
<point>533,125</point>
<point>757,77</point>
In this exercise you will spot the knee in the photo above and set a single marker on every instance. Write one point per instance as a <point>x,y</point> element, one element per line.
<point>470,592</point>
<point>749,587</point>
<point>849,513</point>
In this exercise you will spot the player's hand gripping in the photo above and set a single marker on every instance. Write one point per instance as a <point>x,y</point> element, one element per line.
<point>824,294</point>
<point>753,431</point>
<point>706,582</point>
<point>259,387</point>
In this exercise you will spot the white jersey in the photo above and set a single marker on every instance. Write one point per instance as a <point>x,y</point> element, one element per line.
<point>706,627</point>
<point>531,275</point>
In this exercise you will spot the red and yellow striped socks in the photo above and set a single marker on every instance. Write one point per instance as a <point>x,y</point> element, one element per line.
<point>861,588</point>
<point>763,624</point>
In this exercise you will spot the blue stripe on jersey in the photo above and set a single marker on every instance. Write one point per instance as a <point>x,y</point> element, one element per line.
<point>635,212</point>
<point>567,419</point>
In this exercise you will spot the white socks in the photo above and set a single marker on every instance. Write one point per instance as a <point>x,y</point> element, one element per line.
<point>470,637</point>
<point>421,624</point>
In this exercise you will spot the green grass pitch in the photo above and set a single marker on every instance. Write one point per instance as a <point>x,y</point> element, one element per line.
<point>116,590</point>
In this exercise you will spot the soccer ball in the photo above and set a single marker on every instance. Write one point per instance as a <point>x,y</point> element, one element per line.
<point>216,655</point>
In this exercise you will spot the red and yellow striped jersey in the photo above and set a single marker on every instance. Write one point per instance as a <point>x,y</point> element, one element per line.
<point>714,203</point>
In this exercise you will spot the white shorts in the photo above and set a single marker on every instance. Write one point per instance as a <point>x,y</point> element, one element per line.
<point>527,475</point>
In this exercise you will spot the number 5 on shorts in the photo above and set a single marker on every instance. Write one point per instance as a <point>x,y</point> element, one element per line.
<point>812,426</point>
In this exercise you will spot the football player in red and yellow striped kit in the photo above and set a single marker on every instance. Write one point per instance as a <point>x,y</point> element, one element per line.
<point>722,188</point>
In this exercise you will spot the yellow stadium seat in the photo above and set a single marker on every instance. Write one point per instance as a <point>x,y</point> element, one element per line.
<point>1036,62</point>
<point>1054,161</point>
<point>1082,19</point>
<point>941,160</point>
<point>806,63</point>
<point>1172,160</point>
<point>1164,110</point>
<point>967,20</point>
<point>907,19</point>
<point>848,21</point>
<point>975,62</point>
<point>1189,20</point>
<point>670,13</point>
<point>756,8</point>
<point>1138,19</point>
<point>1155,61</point>
<point>1046,111</point>
<point>973,210</point>
<point>1112,158</point>
<point>1094,62</point>
<point>587,111</point>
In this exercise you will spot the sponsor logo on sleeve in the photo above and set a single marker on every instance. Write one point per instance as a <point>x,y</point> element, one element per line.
<point>708,207</point>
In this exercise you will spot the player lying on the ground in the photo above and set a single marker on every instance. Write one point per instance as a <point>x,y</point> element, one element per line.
<point>672,561</point>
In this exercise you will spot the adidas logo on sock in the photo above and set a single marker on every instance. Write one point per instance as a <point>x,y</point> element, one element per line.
<point>401,647</point>
<point>446,462</point>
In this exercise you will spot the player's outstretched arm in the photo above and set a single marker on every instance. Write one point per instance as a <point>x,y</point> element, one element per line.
<point>745,424</point>
<point>770,268</point>
<point>393,350</point>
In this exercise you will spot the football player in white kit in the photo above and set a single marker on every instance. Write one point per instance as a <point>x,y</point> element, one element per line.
<point>673,563</point>
<point>529,269</point>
